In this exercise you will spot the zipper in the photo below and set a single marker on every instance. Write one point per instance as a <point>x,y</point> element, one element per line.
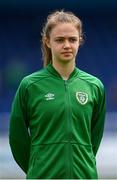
<point>68,131</point>
<point>68,111</point>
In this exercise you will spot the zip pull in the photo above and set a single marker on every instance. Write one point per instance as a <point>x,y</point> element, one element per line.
<point>66,84</point>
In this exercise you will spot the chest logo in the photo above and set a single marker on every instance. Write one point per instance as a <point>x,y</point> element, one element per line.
<point>82,97</point>
<point>49,96</point>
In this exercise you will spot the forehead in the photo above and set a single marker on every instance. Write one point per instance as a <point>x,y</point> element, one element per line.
<point>64,29</point>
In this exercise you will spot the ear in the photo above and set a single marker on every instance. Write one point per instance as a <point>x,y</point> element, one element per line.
<point>47,41</point>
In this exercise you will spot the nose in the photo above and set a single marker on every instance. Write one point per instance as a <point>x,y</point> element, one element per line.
<point>66,44</point>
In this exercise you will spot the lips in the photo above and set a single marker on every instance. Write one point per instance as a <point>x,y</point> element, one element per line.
<point>66,52</point>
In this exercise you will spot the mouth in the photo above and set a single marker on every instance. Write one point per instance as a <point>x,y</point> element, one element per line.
<point>66,53</point>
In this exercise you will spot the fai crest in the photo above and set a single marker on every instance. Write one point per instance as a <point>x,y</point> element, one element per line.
<point>82,97</point>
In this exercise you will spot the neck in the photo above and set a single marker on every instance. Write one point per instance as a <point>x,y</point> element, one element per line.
<point>64,69</point>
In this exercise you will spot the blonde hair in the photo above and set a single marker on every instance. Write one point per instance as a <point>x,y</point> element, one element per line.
<point>52,20</point>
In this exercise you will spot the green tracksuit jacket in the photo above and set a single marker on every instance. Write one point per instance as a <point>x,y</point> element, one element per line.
<point>56,125</point>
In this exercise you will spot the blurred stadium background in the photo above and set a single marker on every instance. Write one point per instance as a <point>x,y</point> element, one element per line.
<point>20,27</point>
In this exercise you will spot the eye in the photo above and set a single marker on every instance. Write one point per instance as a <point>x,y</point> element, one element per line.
<point>60,40</point>
<point>73,40</point>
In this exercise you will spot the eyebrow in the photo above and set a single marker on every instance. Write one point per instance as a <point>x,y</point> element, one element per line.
<point>66,37</point>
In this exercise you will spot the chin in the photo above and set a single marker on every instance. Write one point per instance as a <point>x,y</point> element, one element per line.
<point>67,60</point>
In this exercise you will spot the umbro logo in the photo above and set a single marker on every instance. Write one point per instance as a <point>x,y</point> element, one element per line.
<point>49,96</point>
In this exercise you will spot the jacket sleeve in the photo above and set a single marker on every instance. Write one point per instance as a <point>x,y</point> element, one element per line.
<point>19,137</point>
<point>98,119</point>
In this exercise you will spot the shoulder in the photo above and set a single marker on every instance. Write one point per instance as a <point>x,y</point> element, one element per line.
<point>33,78</point>
<point>91,80</point>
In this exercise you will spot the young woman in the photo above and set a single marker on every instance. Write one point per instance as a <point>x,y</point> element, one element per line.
<point>58,113</point>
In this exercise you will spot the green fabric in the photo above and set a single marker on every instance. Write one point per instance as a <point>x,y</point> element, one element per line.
<point>56,126</point>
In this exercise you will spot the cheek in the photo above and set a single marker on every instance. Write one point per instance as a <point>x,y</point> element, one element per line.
<point>56,49</point>
<point>76,48</point>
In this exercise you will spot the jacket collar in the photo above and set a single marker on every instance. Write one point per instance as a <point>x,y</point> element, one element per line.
<point>53,71</point>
